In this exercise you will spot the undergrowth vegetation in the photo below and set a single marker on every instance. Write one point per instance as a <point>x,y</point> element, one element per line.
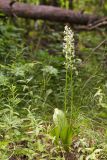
<point>53,93</point>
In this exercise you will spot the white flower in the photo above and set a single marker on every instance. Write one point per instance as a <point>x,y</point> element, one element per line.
<point>68,47</point>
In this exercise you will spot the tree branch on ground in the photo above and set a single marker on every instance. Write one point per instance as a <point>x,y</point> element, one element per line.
<point>50,13</point>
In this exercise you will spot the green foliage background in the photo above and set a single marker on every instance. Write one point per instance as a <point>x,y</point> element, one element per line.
<point>32,80</point>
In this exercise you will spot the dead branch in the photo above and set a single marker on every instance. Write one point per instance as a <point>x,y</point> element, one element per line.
<point>24,10</point>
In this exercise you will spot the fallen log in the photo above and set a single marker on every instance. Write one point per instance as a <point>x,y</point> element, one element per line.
<point>24,10</point>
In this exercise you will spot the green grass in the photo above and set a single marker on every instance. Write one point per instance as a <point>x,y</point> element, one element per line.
<point>32,86</point>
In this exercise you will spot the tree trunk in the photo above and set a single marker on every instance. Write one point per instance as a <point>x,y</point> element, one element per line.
<point>43,12</point>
